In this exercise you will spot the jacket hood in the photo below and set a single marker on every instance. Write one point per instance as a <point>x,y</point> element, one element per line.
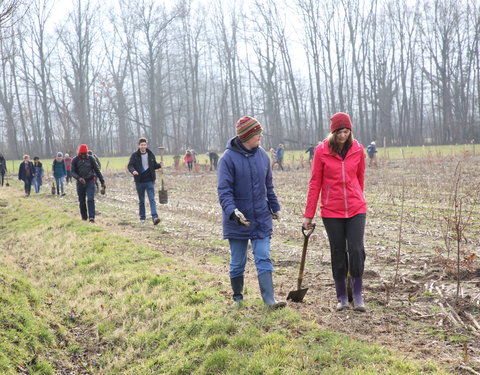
<point>234,144</point>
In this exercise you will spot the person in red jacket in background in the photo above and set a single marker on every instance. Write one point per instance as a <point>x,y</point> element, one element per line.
<point>338,174</point>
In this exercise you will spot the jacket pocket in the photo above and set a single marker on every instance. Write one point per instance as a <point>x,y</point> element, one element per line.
<point>328,194</point>
<point>359,192</point>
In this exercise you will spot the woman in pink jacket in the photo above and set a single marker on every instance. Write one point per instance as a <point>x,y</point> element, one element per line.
<point>338,174</point>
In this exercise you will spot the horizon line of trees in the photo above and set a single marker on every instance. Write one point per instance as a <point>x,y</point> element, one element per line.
<point>182,74</point>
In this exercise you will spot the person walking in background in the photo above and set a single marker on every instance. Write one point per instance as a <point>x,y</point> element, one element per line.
<point>311,152</point>
<point>3,167</point>
<point>213,156</point>
<point>142,166</point>
<point>38,174</point>
<point>188,158</point>
<point>84,170</point>
<point>249,203</point>
<point>59,172</point>
<point>338,174</point>
<point>68,167</point>
<point>371,151</point>
<point>280,153</point>
<point>25,173</point>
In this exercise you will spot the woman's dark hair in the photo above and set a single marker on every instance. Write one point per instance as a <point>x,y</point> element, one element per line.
<point>334,146</point>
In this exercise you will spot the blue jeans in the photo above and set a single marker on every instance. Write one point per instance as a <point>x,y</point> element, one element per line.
<point>60,184</point>
<point>238,256</point>
<point>37,182</point>
<point>149,187</point>
<point>86,191</point>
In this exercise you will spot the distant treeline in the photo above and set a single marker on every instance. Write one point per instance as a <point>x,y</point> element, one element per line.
<point>182,74</point>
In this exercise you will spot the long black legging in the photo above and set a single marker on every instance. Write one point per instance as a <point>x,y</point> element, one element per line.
<point>346,245</point>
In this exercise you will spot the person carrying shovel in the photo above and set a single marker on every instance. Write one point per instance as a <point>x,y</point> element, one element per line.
<point>338,174</point>
<point>245,192</point>
<point>142,166</point>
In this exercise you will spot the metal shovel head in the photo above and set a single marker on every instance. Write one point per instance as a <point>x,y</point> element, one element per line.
<point>163,196</point>
<point>297,295</point>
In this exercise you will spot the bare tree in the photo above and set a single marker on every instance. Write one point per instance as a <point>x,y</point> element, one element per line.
<point>78,42</point>
<point>267,53</point>
<point>7,93</point>
<point>228,92</point>
<point>39,79</point>
<point>117,50</point>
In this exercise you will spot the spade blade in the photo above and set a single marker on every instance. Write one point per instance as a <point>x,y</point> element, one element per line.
<point>297,295</point>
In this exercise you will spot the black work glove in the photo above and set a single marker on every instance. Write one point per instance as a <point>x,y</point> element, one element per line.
<point>239,218</point>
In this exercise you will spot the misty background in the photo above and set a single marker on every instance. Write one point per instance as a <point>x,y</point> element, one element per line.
<point>182,72</point>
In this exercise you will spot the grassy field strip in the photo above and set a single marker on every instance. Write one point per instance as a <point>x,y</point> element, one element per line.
<point>291,156</point>
<point>75,297</point>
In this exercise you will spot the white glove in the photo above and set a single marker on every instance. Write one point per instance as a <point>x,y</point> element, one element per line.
<point>239,218</point>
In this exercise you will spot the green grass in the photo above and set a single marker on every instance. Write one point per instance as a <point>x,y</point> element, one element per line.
<point>144,313</point>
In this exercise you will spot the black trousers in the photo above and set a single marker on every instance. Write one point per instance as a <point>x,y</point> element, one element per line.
<point>346,245</point>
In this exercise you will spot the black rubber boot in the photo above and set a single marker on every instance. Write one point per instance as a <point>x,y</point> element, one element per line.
<point>237,287</point>
<point>342,297</point>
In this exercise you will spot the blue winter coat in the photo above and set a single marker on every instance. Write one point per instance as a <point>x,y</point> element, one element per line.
<point>245,182</point>
<point>59,169</point>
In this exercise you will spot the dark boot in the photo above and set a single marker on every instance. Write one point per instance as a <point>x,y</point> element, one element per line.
<point>266,289</point>
<point>237,287</point>
<point>341,289</point>
<point>358,304</point>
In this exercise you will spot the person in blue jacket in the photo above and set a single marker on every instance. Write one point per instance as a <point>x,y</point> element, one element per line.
<point>59,172</point>
<point>38,174</point>
<point>279,151</point>
<point>249,203</point>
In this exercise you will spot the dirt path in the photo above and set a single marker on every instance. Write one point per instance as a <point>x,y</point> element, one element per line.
<point>417,318</point>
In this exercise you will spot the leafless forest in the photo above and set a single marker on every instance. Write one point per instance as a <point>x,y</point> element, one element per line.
<point>181,72</point>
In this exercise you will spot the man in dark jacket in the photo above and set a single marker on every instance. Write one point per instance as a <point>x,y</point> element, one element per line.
<point>213,156</point>
<point>3,167</point>
<point>249,203</point>
<point>84,170</point>
<point>142,166</point>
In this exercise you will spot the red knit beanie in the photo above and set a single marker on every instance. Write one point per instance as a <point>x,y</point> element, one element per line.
<point>340,120</point>
<point>247,127</point>
<point>82,149</point>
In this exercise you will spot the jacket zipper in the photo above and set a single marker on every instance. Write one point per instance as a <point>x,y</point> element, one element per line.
<point>345,183</point>
<point>344,188</point>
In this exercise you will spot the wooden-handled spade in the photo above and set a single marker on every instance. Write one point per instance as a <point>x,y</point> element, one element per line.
<point>297,295</point>
<point>162,194</point>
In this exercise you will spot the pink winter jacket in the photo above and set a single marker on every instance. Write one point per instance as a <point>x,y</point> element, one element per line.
<point>339,181</point>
